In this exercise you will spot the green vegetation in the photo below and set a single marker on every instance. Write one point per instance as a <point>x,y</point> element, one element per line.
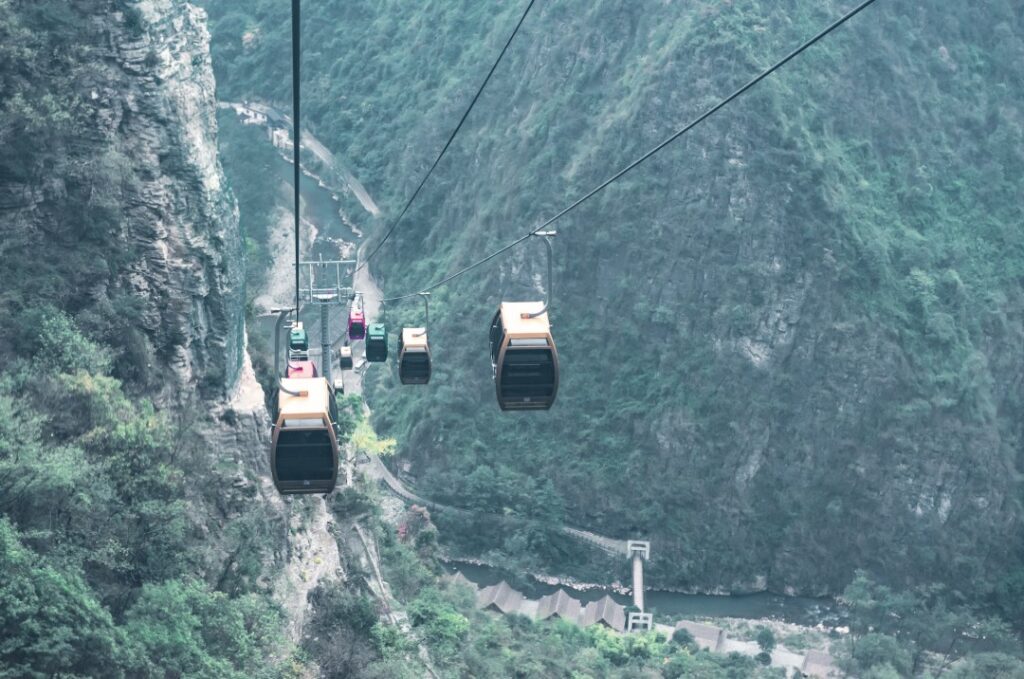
<point>251,157</point>
<point>121,552</point>
<point>766,642</point>
<point>789,343</point>
<point>466,642</point>
<point>922,631</point>
<point>355,639</point>
<point>97,537</point>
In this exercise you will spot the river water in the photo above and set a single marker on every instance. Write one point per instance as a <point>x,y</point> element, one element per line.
<point>320,208</point>
<point>806,611</point>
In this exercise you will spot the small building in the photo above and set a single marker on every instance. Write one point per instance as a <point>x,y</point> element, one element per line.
<point>500,598</point>
<point>708,637</point>
<point>605,611</point>
<point>558,605</point>
<point>818,664</point>
<point>280,139</point>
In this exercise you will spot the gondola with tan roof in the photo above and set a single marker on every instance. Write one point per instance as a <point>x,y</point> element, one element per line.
<point>414,359</point>
<point>524,358</point>
<point>304,436</point>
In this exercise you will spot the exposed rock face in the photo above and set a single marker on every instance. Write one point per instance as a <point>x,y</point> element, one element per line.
<point>136,188</point>
<point>119,215</point>
<point>182,221</point>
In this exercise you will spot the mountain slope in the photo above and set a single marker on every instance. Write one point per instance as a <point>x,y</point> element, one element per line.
<point>791,343</point>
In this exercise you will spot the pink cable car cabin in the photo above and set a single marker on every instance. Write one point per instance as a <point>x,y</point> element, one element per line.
<point>301,369</point>
<point>356,324</point>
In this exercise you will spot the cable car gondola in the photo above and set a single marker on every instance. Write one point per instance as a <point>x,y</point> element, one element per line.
<point>304,438</point>
<point>356,319</point>
<point>377,343</point>
<point>345,357</point>
<point>414,362</point>
<point>301,369</point>
<point>523,357</point>
<point>304,444</point>
<point>298,343</point>
<point>413,356</point>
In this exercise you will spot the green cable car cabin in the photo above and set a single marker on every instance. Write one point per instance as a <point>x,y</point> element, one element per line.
<point>524,359</point>
<point>413,356</point>
<point>304,441</point>
<point>298,343</point>
<point>377,343</point>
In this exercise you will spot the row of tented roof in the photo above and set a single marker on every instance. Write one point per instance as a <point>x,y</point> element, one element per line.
<point>503,599</point>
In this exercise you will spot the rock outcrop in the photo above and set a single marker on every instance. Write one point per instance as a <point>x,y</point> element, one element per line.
<point>134,187</point>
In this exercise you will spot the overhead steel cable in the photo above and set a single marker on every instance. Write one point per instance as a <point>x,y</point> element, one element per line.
<point>296,138</point>
<point>451,138</point>
<point>675,135</point>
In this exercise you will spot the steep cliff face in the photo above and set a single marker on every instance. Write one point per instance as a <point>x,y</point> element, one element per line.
<point>190,270</point>
<point>126,204</point>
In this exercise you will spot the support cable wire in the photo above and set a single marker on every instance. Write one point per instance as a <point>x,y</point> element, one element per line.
<point>448,143</point>
<point>675,135</point>
<point>296,138</point>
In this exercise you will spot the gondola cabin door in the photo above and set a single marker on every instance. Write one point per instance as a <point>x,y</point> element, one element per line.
<point>523,357</point>
<point>414,363</point>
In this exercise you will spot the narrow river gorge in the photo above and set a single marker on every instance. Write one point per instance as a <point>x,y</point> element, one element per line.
<point>326,212</point>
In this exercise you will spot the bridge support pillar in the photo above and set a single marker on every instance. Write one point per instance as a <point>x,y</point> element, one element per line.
<point>639,551</point>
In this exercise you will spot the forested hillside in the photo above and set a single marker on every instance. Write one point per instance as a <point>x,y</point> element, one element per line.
<point>790,343</point>
<point>132,538</point>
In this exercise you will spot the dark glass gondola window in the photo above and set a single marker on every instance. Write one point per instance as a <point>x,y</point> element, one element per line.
<point>416,363</point>
<point>304,455</point>
<point>527,373</point>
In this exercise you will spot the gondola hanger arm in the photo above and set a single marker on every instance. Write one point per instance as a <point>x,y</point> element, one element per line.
<point>546,236</point>
<point>426,314</point>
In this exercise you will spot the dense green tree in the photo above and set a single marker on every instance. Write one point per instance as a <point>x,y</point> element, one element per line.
<point>441,624</point>
<point>899,628</point>
<point>93,479</point>
<point>683,638</point>
<point>50,621</point>
<point>873,651</point>
<point>765,639</point>
<point>989,665</point>
<point>1009,597</point>
<point>345,635</point>
<point>184,629</point>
